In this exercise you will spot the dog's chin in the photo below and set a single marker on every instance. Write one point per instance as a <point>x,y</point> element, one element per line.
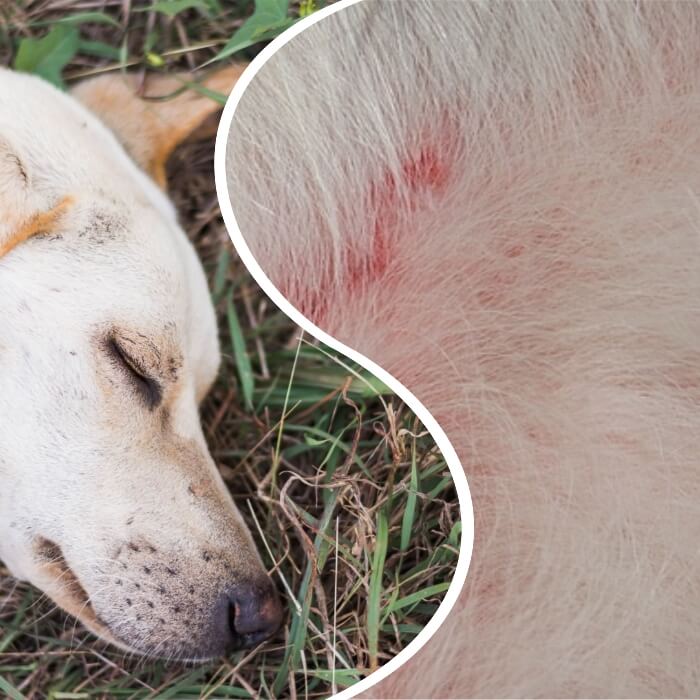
<point>101,630</point>
<point>106,635</point>
<point>171,656</point>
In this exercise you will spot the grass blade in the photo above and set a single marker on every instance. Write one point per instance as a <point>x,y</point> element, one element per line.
<point>418,596</point>
<point>10,690</point>
<point>410,512</point>
<point>375,588</point>
<point>240,355</point>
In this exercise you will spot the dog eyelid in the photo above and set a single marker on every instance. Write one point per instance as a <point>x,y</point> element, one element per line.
<point>147,386</point>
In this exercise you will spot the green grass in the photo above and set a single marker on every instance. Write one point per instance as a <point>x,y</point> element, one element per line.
<point>351,504</point>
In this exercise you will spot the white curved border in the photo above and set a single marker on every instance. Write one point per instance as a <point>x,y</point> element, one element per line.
<point>448,452</point>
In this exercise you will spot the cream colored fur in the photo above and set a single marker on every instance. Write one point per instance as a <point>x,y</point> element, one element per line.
<point>499,203</point>
<point>110,504</point>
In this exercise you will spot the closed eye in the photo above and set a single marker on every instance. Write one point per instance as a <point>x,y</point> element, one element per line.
<point>149,389</point>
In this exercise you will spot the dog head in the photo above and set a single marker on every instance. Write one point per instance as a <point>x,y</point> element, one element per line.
<point>109,500</point>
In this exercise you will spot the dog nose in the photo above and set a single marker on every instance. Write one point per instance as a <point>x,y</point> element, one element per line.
<point>255,612</point>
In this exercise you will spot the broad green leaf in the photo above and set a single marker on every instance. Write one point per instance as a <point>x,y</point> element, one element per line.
<point>278,8</point>
<point>48,56</point>
<point>268,20</point>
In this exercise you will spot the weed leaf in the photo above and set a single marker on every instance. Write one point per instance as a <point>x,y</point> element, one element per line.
<point>268,20</point>
<point>48,56</point>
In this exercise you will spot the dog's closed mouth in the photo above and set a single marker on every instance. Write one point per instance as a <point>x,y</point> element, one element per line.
<point>66,590</point>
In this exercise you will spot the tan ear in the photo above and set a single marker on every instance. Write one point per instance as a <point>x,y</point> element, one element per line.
<point>24,212</point>
<point>148,128</point>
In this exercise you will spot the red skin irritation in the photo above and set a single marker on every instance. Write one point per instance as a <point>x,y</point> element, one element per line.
<point>424,174</point>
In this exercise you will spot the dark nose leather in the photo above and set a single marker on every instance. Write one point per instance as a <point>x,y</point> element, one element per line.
<point>255,612</point>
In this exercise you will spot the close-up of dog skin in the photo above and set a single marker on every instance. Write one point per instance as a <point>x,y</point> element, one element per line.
<point>110,502</point>
<point>499,203</point>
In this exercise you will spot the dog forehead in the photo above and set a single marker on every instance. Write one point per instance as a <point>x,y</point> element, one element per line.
<point>64,149</point>
<point>120,254</point>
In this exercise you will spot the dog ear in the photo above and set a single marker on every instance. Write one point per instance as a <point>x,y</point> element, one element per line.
<point>25,211</point>
<point>151,120</point>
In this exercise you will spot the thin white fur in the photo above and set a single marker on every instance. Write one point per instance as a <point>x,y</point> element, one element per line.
<point>542,302</point>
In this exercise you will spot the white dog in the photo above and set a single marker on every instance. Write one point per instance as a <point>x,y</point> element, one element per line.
<point>499,203</point>
<point>109,499</point>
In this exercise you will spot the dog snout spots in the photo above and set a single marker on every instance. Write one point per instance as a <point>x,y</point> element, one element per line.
<point>192,603</point>
<point>174,366</point>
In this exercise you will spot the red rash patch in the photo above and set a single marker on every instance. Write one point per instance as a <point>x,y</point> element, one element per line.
<point>420,175</point>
